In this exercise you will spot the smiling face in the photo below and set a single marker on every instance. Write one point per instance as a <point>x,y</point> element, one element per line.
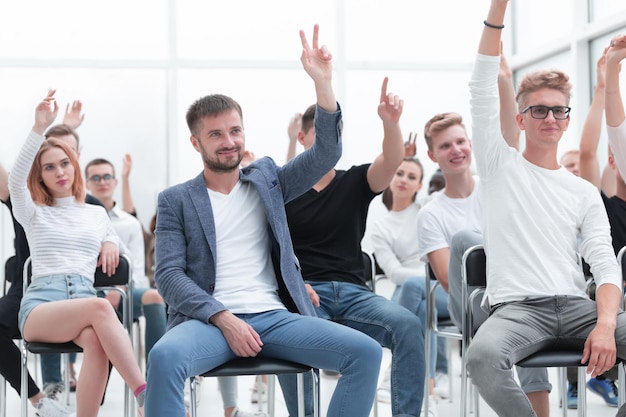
<point>57,172</point>
<point>543,133</point>
<point>451,149</point>
<point>221,141</point>
<point>407,181</point>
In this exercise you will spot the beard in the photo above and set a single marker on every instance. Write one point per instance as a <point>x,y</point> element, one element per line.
<point>216,165</point>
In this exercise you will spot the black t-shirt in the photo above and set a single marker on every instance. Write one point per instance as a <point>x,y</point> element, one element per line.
<point>327,227</point>
<point>616,211</point>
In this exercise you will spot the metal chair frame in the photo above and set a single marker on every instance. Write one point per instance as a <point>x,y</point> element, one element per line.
<point>474,275</point>
<point>122,277</point>
<point>262,366</point>
<point>445,329</point>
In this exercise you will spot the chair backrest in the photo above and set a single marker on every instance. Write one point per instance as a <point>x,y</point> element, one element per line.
<point>369,267</point>
<point>9,270</point>
<point>474,273</point>
<point>475,262</point>
<point>122,275</point>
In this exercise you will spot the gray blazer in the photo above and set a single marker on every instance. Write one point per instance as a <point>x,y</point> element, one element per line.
<point>185,248</point>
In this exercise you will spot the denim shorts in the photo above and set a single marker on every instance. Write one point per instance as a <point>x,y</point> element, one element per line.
<point>54,288</point>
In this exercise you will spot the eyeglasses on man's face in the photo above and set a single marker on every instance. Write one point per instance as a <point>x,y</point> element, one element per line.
<point>97,178</point>
<point>541,112</point>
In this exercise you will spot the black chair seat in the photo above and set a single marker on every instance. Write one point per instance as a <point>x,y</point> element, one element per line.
<point>552,358</point>
<point>44,347</point>
<point>257,366</point>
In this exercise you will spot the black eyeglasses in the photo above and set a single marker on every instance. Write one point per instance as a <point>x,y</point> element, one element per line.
<point>97,178</point>
<point>541,112</point>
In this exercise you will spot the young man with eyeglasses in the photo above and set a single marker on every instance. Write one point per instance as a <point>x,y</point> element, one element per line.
<point>538,217</point>
<point>147,302</point>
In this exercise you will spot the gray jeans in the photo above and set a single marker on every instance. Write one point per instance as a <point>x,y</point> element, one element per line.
<point>518,329</point>
<point>531,379</point>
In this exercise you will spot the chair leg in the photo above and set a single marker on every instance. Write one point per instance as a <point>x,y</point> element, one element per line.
<point>192,396</point>
<point>582,392</point>
<point>271,394</point>
<point>3,397</point>
<point>66,377</point>
<point>301,411</point>
<point>562,372</point>
<point>24,382</point>
<point>621,386</point>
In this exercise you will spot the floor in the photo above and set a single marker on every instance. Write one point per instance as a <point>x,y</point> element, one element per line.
<point>210,401</point>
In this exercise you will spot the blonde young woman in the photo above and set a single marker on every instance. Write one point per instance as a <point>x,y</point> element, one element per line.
<point>68,239</point>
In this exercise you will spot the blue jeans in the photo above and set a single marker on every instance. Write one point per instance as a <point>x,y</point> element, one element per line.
<point>516,330</point>
<point>413,297</point>
<point>392,325</point>
<point>193,347</point>
<point>156,320</point>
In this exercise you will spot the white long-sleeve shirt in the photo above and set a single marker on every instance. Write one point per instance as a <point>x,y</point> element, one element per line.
<point>617,140</point>
<point>65,238</point>
<point>533,215</point>
<point>394,239</point>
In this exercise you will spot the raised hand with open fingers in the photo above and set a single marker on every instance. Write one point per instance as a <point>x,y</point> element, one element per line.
<point>410,148</point>
<point>316,60</point>
<point>73,115</point>
<point>45,112</point>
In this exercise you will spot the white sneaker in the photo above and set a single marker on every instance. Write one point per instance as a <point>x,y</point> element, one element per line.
<point>442,385</point>
<point>47,407</point>
<point>238,413</point>
<point>432,407</point>
<point>383,394</point>
<point>254,398</point>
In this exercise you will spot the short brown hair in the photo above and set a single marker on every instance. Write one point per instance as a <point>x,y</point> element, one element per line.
<point>63,130</point>
<point>98,161</point>
<point>538,80</point>
<point>38,190</point>
<point>440,122</point>
<point>308,118</point>
<point>210,105</point>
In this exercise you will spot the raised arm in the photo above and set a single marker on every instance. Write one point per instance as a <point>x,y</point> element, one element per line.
<point>23,205</point>
<point>4,184</point>
<point>295,125</point>
<point>614,109</point>
<point>380,173</point>
<point>316,61</point>
<point>492,32</point>
<point>589,164</point>
<point>74,115</point>
<point>128,204</point>
<point>508,106</point>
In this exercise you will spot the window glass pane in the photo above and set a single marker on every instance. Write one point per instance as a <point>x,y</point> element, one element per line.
<point>606,8</point>
<point>408,30</point>
<point>124,113</point>
<point>77,29</point>
<point>251,29</point>
<point>539,22</point>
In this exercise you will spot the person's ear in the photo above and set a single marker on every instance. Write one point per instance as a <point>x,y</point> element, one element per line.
<point>194,143</point>
<point>301,137</point>
<point>520,121</point>
<point>431,155</point>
